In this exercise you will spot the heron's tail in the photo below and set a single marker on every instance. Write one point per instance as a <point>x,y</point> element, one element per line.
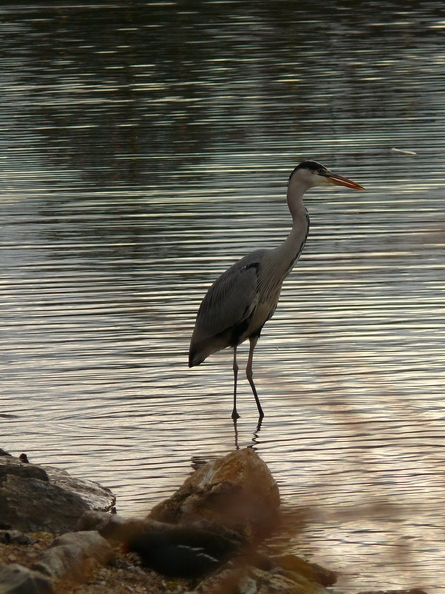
<point>197,355</point>
<point>200,350</point>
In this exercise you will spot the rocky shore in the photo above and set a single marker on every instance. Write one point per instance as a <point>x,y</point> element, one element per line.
<point>60,535</point>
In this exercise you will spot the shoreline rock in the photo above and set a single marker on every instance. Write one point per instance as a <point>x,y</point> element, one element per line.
<point>42,498</point>
<point>235,494</point>
<point>236,491</point>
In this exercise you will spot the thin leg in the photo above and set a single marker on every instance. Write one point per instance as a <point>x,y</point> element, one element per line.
<point>235,414</point>
<point>253,341</point>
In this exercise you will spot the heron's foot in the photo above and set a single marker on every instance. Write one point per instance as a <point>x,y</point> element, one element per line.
<point>235,414</point>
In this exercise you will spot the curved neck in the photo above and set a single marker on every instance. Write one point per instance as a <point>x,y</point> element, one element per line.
<point>295,192</point>
<point>300,217</point>
<point>291,248</point>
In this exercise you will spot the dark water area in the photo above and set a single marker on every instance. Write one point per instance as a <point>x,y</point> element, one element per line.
<point>144,148</point>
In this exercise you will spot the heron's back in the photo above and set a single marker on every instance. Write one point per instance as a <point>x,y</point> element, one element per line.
<point>236,306</point>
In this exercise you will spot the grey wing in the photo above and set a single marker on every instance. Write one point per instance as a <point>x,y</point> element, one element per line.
<point>227,306</point>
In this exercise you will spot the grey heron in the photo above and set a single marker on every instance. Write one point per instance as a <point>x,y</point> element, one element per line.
<point>245,296</point>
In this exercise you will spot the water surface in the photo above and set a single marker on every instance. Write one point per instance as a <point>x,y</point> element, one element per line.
<point>145,149</point>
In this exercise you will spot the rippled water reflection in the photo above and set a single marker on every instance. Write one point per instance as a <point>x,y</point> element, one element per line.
<point>144,150</point>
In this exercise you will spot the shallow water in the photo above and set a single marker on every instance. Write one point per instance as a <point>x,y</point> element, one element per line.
<point>146,149</point>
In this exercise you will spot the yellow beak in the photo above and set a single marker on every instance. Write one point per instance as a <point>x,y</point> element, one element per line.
<point>338,180</point>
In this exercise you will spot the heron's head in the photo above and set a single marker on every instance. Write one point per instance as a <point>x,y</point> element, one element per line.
<point>311,173</point>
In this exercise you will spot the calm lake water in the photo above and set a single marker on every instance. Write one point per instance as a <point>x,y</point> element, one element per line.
<point>145,148</point>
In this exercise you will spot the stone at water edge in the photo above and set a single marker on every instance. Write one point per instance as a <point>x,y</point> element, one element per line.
<point>35,498</point>
<point>236,491</point>
<point>311,571</point>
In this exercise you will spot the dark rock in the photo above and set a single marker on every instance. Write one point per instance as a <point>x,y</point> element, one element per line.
<point>10,466</point>
<point>184,551</point>
<point>236,491</point>
<point>35,498</point>
<point>15,579</point>
<point>33,505</point>
<point>116,527</point>
<point>16,537</point>
<point>73,554</point>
